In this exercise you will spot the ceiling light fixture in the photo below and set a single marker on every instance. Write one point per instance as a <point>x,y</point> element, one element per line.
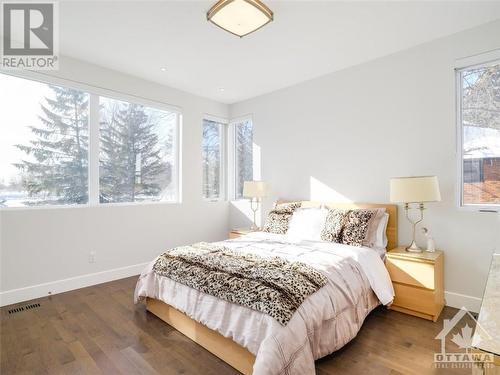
<point>240,17</point>
<point>163,69</point>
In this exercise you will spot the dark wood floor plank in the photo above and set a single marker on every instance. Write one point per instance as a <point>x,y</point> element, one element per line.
<point>73,322</point>
<point>84,364</point>
<point>98,330</point>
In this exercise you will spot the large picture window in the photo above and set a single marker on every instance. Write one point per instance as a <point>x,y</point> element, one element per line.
<point>47,143</point>
<point>44,142</point>
<point>243,154</point>
<point>137,153</point>
<point>479,122</point>
<point>213,161</point>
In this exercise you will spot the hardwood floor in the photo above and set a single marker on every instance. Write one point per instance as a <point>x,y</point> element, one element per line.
<point>98,330</point>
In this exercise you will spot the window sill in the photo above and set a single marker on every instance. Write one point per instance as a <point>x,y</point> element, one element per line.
<point>208,200</point>
<point>89,205</point>
<point>490,209</point>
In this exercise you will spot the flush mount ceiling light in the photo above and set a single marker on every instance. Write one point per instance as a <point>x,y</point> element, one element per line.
<point>240,17</point>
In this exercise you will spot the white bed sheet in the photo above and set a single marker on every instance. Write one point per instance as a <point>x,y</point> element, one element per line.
<point>325,321</point>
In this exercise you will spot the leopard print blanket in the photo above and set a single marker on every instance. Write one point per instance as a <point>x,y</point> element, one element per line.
<point>271,285</point>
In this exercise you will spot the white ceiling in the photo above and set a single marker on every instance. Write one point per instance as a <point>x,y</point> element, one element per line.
<point>307,39</point>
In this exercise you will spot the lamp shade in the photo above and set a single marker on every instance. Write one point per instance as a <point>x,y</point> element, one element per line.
<point>415,189</point>
<point>254,189</point>
<point>240,17</point>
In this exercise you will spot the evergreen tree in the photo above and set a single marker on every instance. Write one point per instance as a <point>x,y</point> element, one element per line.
<point>211,159</point>
<point>57,169</point>
<point>244,154</point>
<point>132,163</point>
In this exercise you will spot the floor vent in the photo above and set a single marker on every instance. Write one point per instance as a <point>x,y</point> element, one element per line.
<point>24,308</point>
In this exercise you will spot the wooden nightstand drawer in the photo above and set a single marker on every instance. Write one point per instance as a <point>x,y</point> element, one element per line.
<point>417,299</point>
<point>412,273</point>
<point>417,279</point>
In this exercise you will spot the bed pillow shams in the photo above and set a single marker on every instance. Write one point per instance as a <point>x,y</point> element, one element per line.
<point>278,219</point>
<point>307,223</point>
<point>349,227</point>
<point>334,224</point>
<point>371,239</point>
<point>356,227</point>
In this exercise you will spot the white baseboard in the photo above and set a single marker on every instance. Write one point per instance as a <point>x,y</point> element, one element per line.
<point>59,286</point>
<point>458,300</point>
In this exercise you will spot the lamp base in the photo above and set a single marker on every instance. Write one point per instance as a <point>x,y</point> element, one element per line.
<point>254,209</point>
<point>413,248</point>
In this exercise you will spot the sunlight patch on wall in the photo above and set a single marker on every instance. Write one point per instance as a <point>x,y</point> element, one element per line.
<point>319,191</point>
<point>241,214</point>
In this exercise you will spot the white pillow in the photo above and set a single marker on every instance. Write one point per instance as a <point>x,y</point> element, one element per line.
<point>380,244</point>
<point>307,223</point>
<point>381,240</point>
<point>371,239</point>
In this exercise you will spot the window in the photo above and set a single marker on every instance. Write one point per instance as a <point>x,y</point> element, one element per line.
<point>212,146</point>
<point>243,154</point>
<point>44,143</point>
<point>51,154</point>
<point>479,122</point>
<point>137,153</point>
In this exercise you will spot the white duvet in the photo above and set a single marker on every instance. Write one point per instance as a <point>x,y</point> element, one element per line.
<point>357,282</point>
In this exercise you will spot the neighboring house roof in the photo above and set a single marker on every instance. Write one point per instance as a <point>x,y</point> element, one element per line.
<point>481,143</point>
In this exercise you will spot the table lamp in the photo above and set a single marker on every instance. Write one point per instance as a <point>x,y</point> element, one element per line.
<point>255,191</point>
<point>415,190</point>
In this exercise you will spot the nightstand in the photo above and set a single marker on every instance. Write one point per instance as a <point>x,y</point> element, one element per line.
<point>235,233</point>
<point>418,280</point>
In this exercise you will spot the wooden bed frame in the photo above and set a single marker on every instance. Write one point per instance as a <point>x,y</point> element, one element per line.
<point>226,349</point>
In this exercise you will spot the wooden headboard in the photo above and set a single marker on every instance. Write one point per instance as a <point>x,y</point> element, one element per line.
<point>391,209</point>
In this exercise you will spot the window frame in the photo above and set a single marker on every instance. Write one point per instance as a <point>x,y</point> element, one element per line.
<point>223,170</point>
<point>474,62</point>
<point>234,160</point>
<point>95,93</point>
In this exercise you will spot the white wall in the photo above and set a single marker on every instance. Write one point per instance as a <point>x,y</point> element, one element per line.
<point>342,136</point>
<point>42,246</point>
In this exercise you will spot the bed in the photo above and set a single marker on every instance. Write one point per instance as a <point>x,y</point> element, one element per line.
<point>253,342</point>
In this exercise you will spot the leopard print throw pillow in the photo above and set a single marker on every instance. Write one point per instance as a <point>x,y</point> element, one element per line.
<point>277,222</point>
<point>356,226</point>
<point>278,219</point>
<point>334,223</point>
<point>286,208</point>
